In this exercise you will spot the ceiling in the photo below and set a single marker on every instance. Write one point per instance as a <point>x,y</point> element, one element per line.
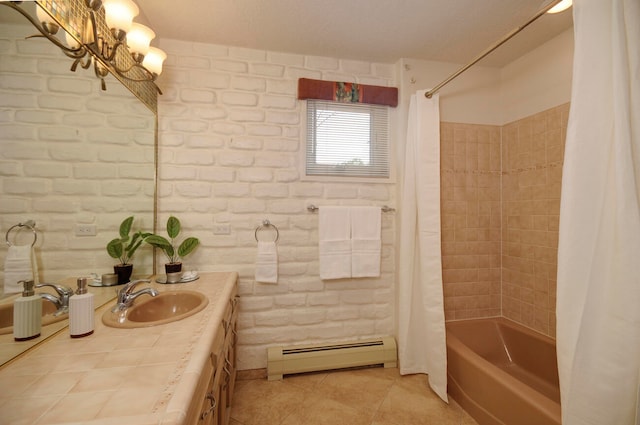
<point>371,30</point>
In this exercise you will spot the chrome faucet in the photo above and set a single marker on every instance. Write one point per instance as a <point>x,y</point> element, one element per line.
<point>126,296</point>
<point>61,301</point>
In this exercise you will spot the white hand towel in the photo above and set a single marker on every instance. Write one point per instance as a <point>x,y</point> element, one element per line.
<point>19,264</point>
<point>267,263</point>
<point>334,234</point>
<point>365,241</point>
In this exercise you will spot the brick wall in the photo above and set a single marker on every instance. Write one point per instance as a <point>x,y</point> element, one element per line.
<point>231,133</point>
<point>70,154</point>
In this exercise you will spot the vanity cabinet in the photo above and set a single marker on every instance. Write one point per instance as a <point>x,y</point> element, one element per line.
<point>186,369</point>
<point>211,404</point>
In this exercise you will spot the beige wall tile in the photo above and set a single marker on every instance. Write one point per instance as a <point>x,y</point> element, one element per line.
<point>500,213</point>
<point>469,268</point>
<point>532,252</point>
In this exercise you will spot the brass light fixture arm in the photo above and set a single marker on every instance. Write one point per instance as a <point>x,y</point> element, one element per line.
<point>103,47</point>
<point>74,53</point>
<point>149,76</point>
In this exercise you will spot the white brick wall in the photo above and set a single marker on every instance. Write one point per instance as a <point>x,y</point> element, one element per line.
<point>230,128</point>
<point>69,154</point>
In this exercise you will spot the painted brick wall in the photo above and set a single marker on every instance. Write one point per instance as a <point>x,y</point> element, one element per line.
<point>69,154</point>
<point>230,140</point>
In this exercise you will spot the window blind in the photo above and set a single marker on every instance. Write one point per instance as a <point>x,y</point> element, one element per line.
<point>346,139</point>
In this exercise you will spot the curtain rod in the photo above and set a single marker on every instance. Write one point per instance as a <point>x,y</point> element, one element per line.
<point>497,44</point>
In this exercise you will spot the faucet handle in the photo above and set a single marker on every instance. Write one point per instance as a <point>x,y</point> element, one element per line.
<point>126,296</point>
<point>130,285</point>
<point>127,288</point>
<point>60,289</point>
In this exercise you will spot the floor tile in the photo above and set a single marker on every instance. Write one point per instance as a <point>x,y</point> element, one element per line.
<point>369,396</point>
<point>265,402</point>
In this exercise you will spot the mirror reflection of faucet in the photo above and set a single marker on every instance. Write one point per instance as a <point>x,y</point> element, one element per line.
<point>61,301</point>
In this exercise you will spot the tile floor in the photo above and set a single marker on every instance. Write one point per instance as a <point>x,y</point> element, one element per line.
<point>373,396</point>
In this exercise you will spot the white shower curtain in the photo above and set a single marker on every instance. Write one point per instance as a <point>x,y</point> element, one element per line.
<point>421,331</point>
<point>598,291</point>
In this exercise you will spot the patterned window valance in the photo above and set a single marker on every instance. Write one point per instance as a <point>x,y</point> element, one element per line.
<point>347,92</point>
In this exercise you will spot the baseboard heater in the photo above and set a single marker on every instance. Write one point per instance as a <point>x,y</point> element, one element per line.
<point>311,358</point>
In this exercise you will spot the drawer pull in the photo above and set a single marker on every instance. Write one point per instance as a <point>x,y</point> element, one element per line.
<point>211,409</point>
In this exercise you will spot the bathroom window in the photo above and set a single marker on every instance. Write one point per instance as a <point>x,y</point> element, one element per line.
<point>347,139</point>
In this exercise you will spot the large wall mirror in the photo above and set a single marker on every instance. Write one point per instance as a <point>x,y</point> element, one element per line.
<point>73,158</point>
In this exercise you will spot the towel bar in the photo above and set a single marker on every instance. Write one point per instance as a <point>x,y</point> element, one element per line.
<point>385,208</point>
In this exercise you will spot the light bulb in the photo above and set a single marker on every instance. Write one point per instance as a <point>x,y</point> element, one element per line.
<point>71,42</point>
<point>48,23</point>
<point>153,60</point>
<point>119,14</point>
<point>562,6</point>
<point>138,39</point>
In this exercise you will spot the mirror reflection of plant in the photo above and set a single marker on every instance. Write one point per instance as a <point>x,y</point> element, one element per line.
<point>170,248</point>
<point>125,246</point>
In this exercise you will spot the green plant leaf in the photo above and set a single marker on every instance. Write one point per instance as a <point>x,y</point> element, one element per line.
<point>157,241</point>
<point>125,227</point>
<point>170,253</point>
<point>114,248</point>
<point>131,249</point>
<point>169,246</point>
<point>187,246</point>
<point>173,227</point>
<point>162,243</point>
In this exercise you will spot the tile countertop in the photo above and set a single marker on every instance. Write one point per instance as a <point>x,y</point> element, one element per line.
<point>139,376</point>
<point>10,349</point>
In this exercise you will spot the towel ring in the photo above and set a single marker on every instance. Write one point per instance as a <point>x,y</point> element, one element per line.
<point>30,224</point>
<point>266,223</point>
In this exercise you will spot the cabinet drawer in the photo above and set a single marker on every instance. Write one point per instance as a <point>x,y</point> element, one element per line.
<point>213,395</point>
<point>198,403</point>
<point>210,413</point>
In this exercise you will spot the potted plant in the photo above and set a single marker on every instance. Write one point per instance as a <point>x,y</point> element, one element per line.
<point>123,248</point>
<point>170,248</point>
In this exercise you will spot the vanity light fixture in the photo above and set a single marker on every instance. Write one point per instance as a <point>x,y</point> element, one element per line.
<point>102,33</point>
<point>560,7</point>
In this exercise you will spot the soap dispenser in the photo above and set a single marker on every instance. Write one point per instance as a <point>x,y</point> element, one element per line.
<point>27,313</point>
<point>81,311</point>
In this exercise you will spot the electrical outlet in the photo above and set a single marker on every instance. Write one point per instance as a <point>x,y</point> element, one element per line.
<point>222,229</point>
<point>85,229</point>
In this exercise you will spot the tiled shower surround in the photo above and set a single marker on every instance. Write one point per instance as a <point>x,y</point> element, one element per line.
<point>470,202</point>
<point>500,212</point>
